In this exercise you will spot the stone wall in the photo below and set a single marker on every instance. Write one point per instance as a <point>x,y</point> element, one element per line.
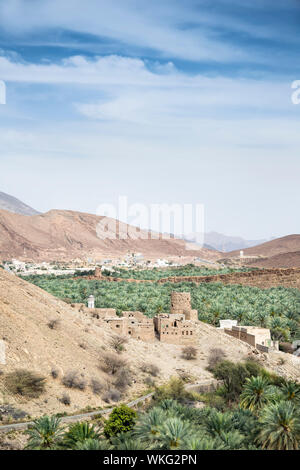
<point>174,331</point>
<point>263,278</point>
<point>250,335</point>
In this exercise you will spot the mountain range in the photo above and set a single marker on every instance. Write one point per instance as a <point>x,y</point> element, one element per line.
<point>226,243</point>
<point>12,204</point>
<point>67,235</point>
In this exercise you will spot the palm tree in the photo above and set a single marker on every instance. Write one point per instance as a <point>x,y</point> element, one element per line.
<point>127,441</point>
<point>291,392</point>
<point>279,427</point>
<point>256,393</point>
<point>218,422</point>
<point>94,444</point>
<point>174,433</point>
<point>199,443</point>
<point>78,433</point>
<point>232,440</point>
<point>148,427</point>
<point>45,433</point>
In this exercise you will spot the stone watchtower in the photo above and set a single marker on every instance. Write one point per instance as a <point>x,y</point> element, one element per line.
<point>180,301</point>
<point>91,301</point>
<point>98,272</point>
<point>181,304</point>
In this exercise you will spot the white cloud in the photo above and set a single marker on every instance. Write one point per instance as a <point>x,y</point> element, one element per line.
<point>130,83</point>
<point>147,25</point>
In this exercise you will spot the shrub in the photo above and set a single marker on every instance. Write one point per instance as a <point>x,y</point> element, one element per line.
<point>72,380</point>
<point>151,369</point>
<point>123,378</point>
<point>25,383</point>
<point>111,363</point>
<point>185,376</point>
<point>234,376</point>
<point>174,390</point>
<point>111,395</point>
<point>189,352</point>
<point>149,381</point>
<point>53,324</point>
<point>96,386</point>
<point>122,419</point>
<point>55,373</point>
<point>65,399</point>
<point>215,355</point>
<point>7,412</point>
<point>117,343</point>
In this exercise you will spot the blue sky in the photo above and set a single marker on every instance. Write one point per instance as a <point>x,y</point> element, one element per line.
<point>163,101</point>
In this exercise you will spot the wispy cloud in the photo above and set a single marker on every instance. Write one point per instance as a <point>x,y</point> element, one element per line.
<point>191,30</point>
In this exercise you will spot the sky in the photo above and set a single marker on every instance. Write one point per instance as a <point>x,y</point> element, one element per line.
<point>163,102</point>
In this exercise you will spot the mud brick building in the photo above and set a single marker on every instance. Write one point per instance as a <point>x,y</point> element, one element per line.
<point>177,327</point>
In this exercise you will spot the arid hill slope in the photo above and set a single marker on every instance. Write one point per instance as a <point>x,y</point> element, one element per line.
<point>66,235</point>
<point>283,260</point>
<point>286,244</point>
<point>78,343</point>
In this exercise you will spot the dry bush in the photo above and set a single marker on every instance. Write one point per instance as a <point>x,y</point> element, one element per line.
<point>111,395</point>
<point>97,386</point>
<point>53,324</point>
<point>73,380</point>
<point>117,343</point>
<point>65,399</point>
<point>54,373</point>
<point>111,363</point>
<point>123,379</point>
<point>8,412</point>
<point>25,383</point>
<point>151,369</point>
<point>185,376</point>
<point>216,355</point>
<point>189,353</point>
<point>149,381</point>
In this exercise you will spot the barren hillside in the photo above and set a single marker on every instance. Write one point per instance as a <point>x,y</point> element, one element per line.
<point>283,260</point>
<point>286,244</point>
<point>78,344</point>
<point>66,235</point>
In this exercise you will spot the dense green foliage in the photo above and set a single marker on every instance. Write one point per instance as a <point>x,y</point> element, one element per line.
<point>263,416</point>
<point>158,273</point>
<point>276,308</point>
<point>122,419</point>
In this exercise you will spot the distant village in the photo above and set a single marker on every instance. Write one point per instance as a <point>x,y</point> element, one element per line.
<point>128,261</point>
